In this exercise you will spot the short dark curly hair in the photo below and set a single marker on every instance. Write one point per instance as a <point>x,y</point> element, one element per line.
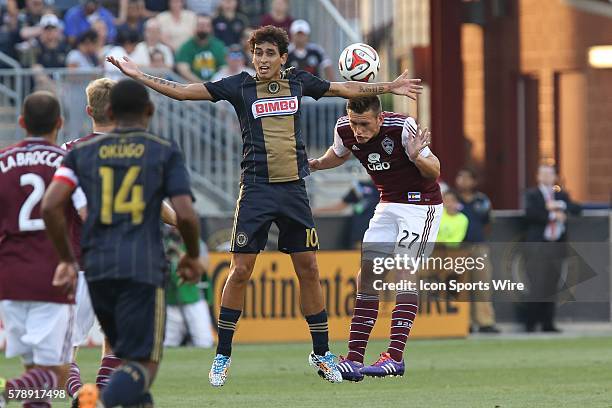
<point>271,34</point>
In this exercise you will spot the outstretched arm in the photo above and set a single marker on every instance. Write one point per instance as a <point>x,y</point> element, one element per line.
<point>328,161</point>
<point>174,90</point>
<point>401,86</point>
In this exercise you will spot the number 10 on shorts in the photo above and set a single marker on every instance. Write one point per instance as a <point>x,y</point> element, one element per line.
<point>312,239</point>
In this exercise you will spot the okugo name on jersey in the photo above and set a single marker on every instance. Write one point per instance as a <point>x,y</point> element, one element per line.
<point>275,106</point>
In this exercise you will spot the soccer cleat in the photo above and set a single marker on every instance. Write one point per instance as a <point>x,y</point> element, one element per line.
<point>218,372</point>
<point>384,367</point>
<point>326,366</point>
<point>3,401</point>
<point>89,397</point>
<point>75,400</point>
<point>350,369</point>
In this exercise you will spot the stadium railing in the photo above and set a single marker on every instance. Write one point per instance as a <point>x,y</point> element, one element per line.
<point>208,133</point>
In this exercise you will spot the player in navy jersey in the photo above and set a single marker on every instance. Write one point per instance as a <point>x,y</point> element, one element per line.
<point>396,155</point>
<point>125,175</point>
<point>272,187</point>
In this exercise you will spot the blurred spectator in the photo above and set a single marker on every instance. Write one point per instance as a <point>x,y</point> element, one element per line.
<point>126,43</point>
<point>158,61</point>
<point>362,199</point>
<point>28,19</point>
<point>235,64</point>
<point>207,7</point>
<point>103,47</point>
<point>8,29</point>
<point>61,6</point>
<point>477,208</point>
<point>79,19</point>
<point>154,7</point>
<point>254,9</point>
<point>177,24</point>
<point>454,224</point>
<point>85,55</point>
<point>50,50</point>
<point>278,15</point>
<point>305,55</point>
<point>135,18</point>
<point>144,51</point>
<point>246,47</point>
<point>188,316</point>
<point>202,55</point>
<point>546,210</point>
<point>230,24</point>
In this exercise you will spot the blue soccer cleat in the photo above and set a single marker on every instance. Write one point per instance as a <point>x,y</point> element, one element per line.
<point>218,372</point>
<point>350,369</point>
<point>326,366</point>
<point>385,367</point>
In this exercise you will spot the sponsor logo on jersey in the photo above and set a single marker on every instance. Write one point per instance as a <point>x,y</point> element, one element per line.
<point>414,196</point>
<point>388,145</point>
<point>275,106</point>
<point>375,164</point>
<point>355,147</point>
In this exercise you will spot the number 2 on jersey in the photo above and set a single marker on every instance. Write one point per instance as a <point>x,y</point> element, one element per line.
<point>119,204</point>
<point>26,222</point>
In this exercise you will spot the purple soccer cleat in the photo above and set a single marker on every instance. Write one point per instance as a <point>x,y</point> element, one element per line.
<point>350,369</point>
<point>384,367</point>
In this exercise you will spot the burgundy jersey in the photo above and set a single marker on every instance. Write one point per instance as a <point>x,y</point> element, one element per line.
<point>27,257</point>
<point>384,156</point>
<point>80,201</point>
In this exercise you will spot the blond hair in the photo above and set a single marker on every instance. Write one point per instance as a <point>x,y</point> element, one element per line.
<point>98,98</point>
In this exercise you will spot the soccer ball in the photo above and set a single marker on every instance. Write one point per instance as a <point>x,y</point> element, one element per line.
<point>359,62</point>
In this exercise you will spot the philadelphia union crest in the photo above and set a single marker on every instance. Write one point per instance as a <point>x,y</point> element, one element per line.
<point>388,145</point>
<point>241,239</point>
<point>273,87</point>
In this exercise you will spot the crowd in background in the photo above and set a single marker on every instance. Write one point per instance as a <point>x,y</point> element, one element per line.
<point>201,40</point>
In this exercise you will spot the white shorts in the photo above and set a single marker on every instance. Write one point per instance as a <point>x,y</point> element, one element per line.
<point>84,313</point>
<point>193,319</point>
<point>39,332</point>
<point>399,228</point>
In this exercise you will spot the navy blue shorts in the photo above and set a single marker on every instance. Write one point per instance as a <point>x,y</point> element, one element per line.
<point>132,315</point>
<point>285,204</point>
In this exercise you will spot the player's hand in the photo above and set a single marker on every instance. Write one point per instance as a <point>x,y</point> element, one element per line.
<point>313,164</point>
<point>127,66</point>
<point>65,278</point>
<point>421,140</point>
<point>406,86</point>
<point>190,269</point>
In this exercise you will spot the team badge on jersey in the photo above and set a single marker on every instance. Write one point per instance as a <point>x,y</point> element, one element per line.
<point>241,239</point>
<point>275,106</point>
<point>273,87</point>
<point>388,145</point>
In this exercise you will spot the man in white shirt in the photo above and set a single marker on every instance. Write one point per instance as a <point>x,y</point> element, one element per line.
<point>152,43</point>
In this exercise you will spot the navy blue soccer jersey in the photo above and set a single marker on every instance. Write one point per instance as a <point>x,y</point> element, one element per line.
<point>269,114</point>
<point>125,176</point>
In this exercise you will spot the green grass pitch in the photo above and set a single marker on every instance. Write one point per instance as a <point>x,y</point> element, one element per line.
<point>526,373</point>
